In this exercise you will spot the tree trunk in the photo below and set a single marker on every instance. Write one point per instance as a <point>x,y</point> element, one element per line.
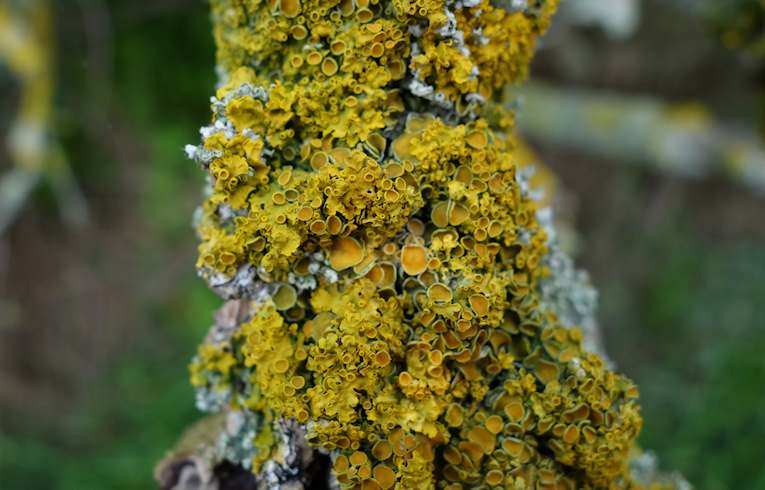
<point>399,313</point>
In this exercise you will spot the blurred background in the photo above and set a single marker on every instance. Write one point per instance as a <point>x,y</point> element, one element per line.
<point>652,113</point>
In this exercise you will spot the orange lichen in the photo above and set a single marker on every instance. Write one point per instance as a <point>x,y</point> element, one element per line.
<point>414,259</point>
<point>345,252</point>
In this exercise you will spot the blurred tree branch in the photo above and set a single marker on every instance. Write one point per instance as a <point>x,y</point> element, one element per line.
<point>26,37</point>
<point>680,139</point>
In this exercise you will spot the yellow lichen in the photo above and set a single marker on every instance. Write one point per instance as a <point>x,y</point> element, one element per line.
<point>404,327</point>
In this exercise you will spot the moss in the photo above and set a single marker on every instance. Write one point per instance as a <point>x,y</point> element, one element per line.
<point>360,168</point>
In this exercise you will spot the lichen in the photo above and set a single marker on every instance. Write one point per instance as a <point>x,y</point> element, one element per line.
<point>362,174</point>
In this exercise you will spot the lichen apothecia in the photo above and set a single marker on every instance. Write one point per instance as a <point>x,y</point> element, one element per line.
<point>367,197</point>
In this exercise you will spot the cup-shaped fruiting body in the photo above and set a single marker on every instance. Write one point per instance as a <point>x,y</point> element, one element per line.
<point>367,201</point>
